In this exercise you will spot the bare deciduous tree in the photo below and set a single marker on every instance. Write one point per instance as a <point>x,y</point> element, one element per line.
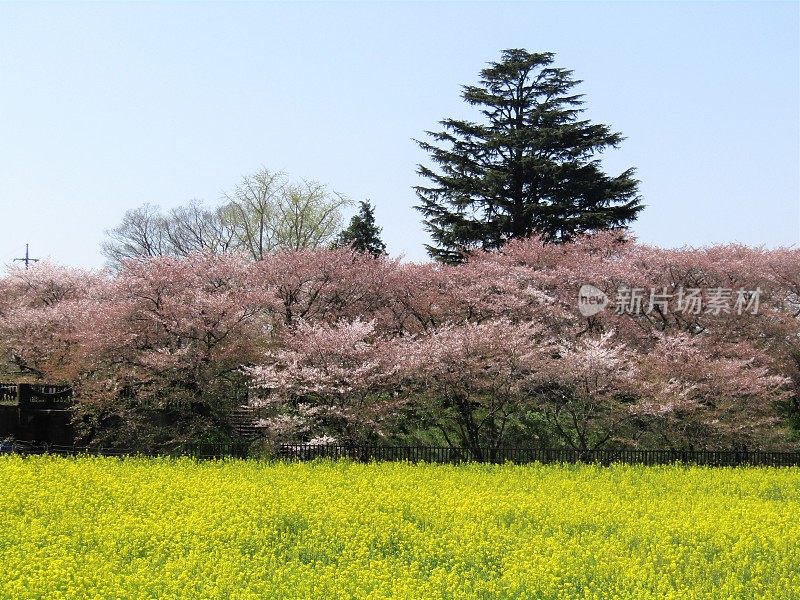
<point>264,213</point>
<point>141,234</point>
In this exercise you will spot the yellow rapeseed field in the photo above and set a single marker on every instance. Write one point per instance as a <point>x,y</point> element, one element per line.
<point>142,528</point>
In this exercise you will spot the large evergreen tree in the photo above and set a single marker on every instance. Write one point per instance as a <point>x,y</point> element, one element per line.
<point>362,234</point>
<point>531,168</point>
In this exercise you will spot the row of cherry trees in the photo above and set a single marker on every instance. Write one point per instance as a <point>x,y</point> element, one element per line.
<point>694,347</point>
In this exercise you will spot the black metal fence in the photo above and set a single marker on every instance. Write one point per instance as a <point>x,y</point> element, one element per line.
<point>438,454</point>
<point>448,454</point>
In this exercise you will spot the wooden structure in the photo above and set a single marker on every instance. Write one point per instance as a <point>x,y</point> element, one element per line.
<point>37,413</point>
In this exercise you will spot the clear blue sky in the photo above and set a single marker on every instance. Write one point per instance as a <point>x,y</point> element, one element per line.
<point>106,106</point>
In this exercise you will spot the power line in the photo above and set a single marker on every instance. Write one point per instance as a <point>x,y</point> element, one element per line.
<point>27,260</point>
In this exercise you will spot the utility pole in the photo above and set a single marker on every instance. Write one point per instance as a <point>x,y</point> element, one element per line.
<point>27,260</point>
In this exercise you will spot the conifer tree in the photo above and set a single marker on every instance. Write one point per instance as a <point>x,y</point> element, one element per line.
<point>530,168</point>
<point>362,234</point>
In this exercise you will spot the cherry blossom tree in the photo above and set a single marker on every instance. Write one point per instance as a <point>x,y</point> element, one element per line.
<point>469,379</point>
<point>694,346</point>
<point>335,380</point>
<point>164,349</point>
<point>41,311</point>
<point>586,391</point>
<point>710,396</point>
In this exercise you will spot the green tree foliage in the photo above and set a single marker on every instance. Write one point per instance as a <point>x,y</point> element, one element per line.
<point>362,234</point>
<point>531,168</point>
